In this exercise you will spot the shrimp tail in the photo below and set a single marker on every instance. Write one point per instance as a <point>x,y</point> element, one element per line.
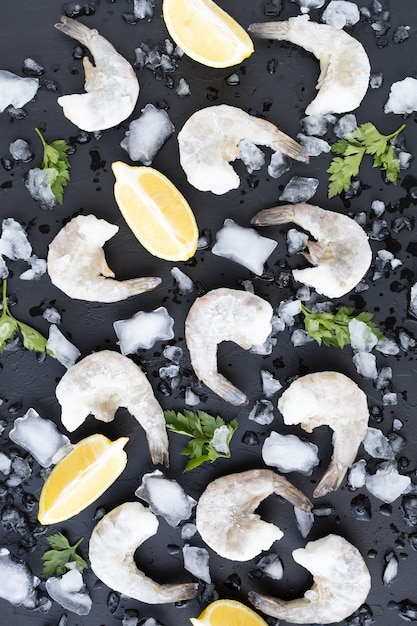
<point>270,30</point>
<point>75,30</point>
<point>275,215</point>
<point>134,286</point>
<point>227,391</point>
<point>267,604</point>
<point>177,592</point>
<point>284,488</point>
<point>158,450</point>
<point>331,479</point>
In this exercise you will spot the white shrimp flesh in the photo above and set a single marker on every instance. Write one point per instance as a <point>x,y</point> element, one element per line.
<point>77,265</point>
<point>225,516</point>
<point>344,63</point>
<point>340,251</point>
<point>112,547</point>
<point>209,142</point>
<point>332,399</point>
<point>111,83</point>
<point>101,383</point>
<point>341,583</point>
<point>224,315</point>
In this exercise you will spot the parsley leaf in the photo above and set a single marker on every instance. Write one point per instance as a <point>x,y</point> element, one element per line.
<point>55,560</point>
<point>210,436</point>
<point>366,139</point>
<point>55,160</point>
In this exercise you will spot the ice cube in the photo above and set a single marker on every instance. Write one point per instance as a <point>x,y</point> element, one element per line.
<point>346,126</point>
<point>306,5</point>
<point>296,240</point>
<point>143,330</point>
<point>52,315</point>
<point>377,445</point>
<point>362,338</point>
<point>412,309</point>
<point>365,364</point>
<point>20,150</point>
<point>143,9</point>
<point>262,412</point>
<point>287,310</point>
<point>271,566</point>
<point>288,453</point>
<point>243,245</point>
<point>37,269</point>
<point>184,282</point>
<point>16,90</point>
<point>314,125</point>
<point>220,441</point>
<point>188,531</point>
<point>387,484</point>
<point>183,88</point>
<point>299,338</point>
<point>17,581</point>
<point>340,13</point>
<point>314,146</point>
<point>173,353</point>
<point>196,561</point>
<point>270,385</point>
<point>387,347</point>
<point>390,572</point>
<point>70,592</point>
<point>147,134</point>
<point>4,270</point>
<point>356,476</point>
<point>14,242</point>
<point>389,399</point>
<point>165,497</point>
<point>279,164</point>
<point>190,397</point>
<point>62,349</point>
<point>304,521</point>
<point>402,97</point>
<point>376,80</point>
<point>39,436</point>
<point>384,377</point>
<point>5,464</point>
<point>37,183</point>
<point>299,189</point>
<point>251,155</point>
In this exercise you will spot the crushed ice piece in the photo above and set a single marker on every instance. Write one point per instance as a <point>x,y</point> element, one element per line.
<point>190,397</point>
<point>300,337</point>
<point>406,341</point>
<point>377,445</point>
<point>271,566</point>
<point>279,164</point>
<point>314,125</point>
<point>183,88</point>
<point>296,240</point>
<point>244,246</point>
<point>37,182</point>
<point>188,530</point>
<point>390,572</point>
<point>165,497</point>
<point>303,293</point>
<point>173,354</point>
<point>32,67</point>
<point>37,269</point>
<point>387,484</point>
<point>265,348</point>
<point>270,385</point>
<point>251,155</point>
<point>402,97</point>
<point>362,338</point>
<point>314,146</point>
<point>345,126</point>
<point>143,330</point>
<point>396,424</point>
<point>52,315</point>
<point>378,207</point>
<point>147,134</point>
<point>39,436</point>
<point>5,464</point>
<point>288,453</point>
<point>143,9</point>
<point>220,440</point>
<point>306,5</point>
<point>405,159</point>
<point>356,475</point>
<point>21,150</point>
<point>14,243</point>
<point>184,282</point>
<point>4,270</point>
<point>340,13</point>
<point>389,399</point>
<point>412,309</point>
<point>63,350</point>
<point>70,592</point>
<point>365,364</point>
<point>15,90</point>
<point>376,80</point>
<point>384,377</point>
<point>17,581</point>
<point>196,561</point>
<point>287,310</point>
<point>387,347</point>
<point>262,412</point>
<point>299,189</point>
<point>304,521</point>
<point>401,33</point>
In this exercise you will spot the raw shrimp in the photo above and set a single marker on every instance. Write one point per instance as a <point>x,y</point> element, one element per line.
<point>344,64</point>
<point>225,515</point>
<point>77,265</point>
<point>334,399</point>
<point>113,543</point>
<point>224,315</point>
<point>111,83</point>
<point>341,583</point>
<point>209,141</point>
<point>101,383</point>
<point>341,253</point>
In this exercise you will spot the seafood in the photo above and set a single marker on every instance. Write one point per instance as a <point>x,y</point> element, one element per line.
<point>209,141</point>
<point>101,383</point>
<point>113,543</point>
<point>224,315</point>
<point>344,64</point>
<point>225,515</point>
<point>340,253</point>
<point>77,264</point>
<point>341,583</point>
<point>334,399</point>
<point>111,83</point>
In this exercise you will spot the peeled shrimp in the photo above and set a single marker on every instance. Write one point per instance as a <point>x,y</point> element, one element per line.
<point>77,265</point>
<point>333,399</point>
<point>341,584</point>
<point>209,141</point>
<point>224,315</point>
<point>344,64</point>
<point>111,84</point>
<point>225,515</point>
<point>111,551</point>
<point>101,383</point>
<point>341,253</point>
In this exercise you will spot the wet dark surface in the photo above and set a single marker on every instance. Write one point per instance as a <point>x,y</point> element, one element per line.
<point>276,82</point>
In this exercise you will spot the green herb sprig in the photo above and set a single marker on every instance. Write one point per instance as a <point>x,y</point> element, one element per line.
<point>55,160</point>
<point>201,428</point>
<point>365,140</point>
<point>332,329</point>
<point>62,552</point>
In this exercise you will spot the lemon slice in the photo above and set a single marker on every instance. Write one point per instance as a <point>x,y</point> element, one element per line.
<point>224,612</point>
<point>81,477</point>
<point>206,33</point>
<point>157,213</point>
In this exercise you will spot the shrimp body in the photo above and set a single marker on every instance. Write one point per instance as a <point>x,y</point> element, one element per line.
<point>340,254</point>
<point>333,399</point>
<point>224,315</point>
<point>225,515</point>
<point>344,64</point>
<point>209,141</point>
<point>341,583</point>
<point>77,265</point>
<point>113,543</point>
<point>101,383</point>
<point>111,83</point>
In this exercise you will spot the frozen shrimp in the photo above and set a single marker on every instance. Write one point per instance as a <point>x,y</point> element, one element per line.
<point>340,253</point>
<point>77,264</point>
<point>224,315</point>
<point>111,83</point>
<point>225,515</point>
<point>209,141</point>
<point>341,583</point>
<point>344,64</point>
<point>101,383</point>
<point>112,547</point>
<point>332,399</point>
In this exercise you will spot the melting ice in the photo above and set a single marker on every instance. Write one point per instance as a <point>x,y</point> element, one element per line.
<point>196,561</point>
<point>262,412</point>
<point>147,134</point>
<point>270,385</point>
<point>271,565</point>
<point>340,13</point>
<point>70,592</point>
<point>402,97</point>
<point>16,91</point>
<point>377,445</point>
<point>143,330</point>
<point>184,282</point>
<point>289,453</point>
<point>17,581</point>
<point>62,349</point>
<point>387,484</point>
<point>37,183</point>
<point>165,497</point>
<point>299,189</point>
<point>251,155</point>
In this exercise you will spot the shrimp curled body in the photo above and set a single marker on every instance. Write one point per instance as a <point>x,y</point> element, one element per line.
<point>341,254</point>
<point>77,264</point>
<point>225,515</point>
<point>113,543</point>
